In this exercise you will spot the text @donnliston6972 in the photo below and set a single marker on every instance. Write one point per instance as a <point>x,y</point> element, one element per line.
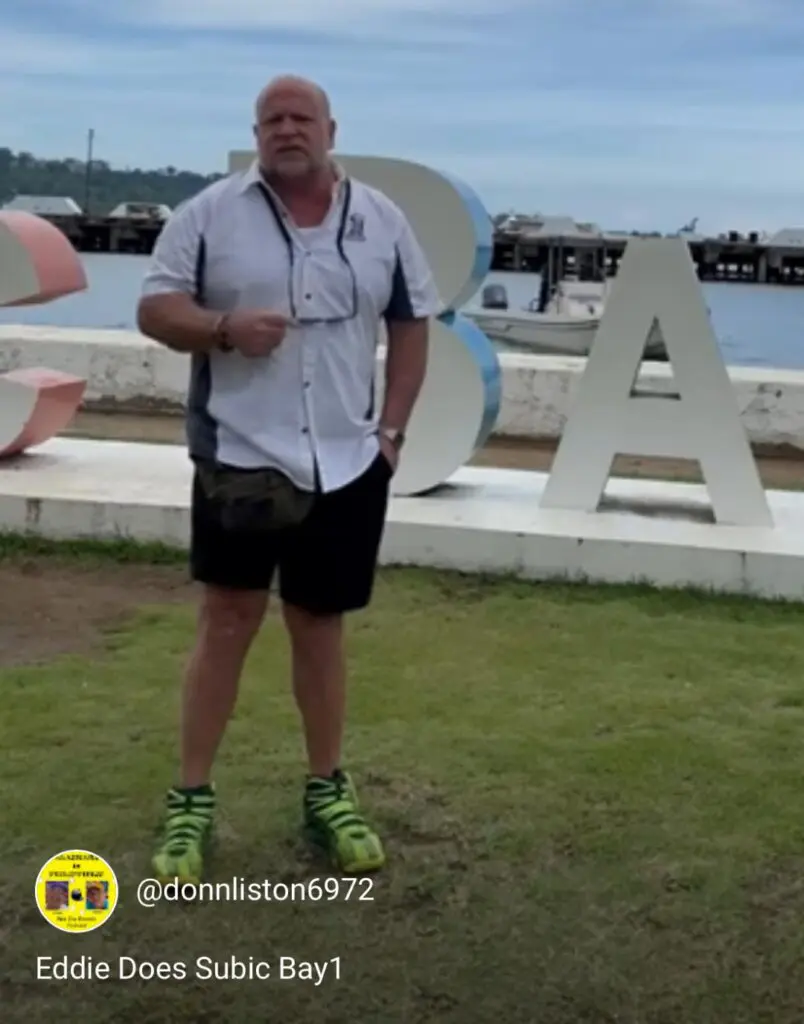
<point>151,892</point>
<point>202,968</point>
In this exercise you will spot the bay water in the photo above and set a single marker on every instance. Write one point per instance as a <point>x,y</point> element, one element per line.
<point>756,325</point>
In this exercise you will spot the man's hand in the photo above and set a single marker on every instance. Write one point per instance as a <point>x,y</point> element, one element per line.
<point>256,332</point>
<point>390,452</point>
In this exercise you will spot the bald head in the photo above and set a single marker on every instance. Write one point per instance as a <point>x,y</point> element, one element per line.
<point>294,128</point>
<point>294,83</point>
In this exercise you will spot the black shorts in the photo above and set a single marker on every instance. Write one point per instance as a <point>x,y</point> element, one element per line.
<point>326,565</point>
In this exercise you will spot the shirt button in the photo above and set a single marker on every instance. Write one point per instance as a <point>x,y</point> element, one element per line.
<point>305,430</point>
<point>307,383</point>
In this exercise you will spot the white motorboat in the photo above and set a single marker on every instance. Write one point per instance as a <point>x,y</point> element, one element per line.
<point>578,299</point>
<point>566,327</point>
<point>542,333</point>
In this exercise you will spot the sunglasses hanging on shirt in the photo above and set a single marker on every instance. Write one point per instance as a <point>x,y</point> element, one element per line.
<point>343,307</point>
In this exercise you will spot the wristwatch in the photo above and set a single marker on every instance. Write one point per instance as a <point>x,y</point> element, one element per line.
<point>396,437</point>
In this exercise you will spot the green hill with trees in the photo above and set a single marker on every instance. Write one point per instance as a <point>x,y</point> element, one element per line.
<point>25,174</point>
<point>105,187</point>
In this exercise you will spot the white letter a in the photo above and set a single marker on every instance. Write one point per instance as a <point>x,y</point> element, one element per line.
<point>656,283</point>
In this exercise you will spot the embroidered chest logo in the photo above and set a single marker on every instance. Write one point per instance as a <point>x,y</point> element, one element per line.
<point>355,228</point>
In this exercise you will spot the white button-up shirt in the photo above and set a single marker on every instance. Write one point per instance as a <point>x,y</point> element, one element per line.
<point>310,403</point>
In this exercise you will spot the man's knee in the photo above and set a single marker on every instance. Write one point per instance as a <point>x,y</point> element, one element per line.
<point>231,616</point>
<point>312,632</point>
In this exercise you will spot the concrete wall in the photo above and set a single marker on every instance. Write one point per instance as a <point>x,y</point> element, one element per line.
<point>126,370</point>
<point>123,368</point>
<point>538,392</point>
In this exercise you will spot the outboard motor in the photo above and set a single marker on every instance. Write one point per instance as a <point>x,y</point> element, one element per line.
<point>495,297</point>
<point>544,294</point>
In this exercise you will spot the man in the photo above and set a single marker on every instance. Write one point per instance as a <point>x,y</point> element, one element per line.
<point>57,896</point>
<point>97,896</point>
<point>276,282</point>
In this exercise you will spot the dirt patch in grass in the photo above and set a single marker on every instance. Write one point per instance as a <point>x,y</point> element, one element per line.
<point>48,608</point>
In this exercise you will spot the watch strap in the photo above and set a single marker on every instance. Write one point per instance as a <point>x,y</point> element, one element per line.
<point>220,334</point>
<point>396,437</point>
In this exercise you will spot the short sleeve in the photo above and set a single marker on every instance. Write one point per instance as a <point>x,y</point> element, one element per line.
<point>174,257</point>
<point>413,290</point>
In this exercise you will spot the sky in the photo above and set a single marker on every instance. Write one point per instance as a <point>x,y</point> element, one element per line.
<point>635,114</point>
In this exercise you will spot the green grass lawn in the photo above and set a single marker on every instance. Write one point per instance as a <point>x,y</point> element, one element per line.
<point>592,802</point>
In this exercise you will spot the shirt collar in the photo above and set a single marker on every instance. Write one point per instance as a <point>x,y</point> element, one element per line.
<point>253,177</point>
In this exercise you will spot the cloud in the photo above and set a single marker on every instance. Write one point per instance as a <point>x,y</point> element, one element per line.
<point>361,16</point>
<point>611,109</point>
<point>319,15</point>
<point>31,53</point>
<point>428,22</point>
<point>584,110</point>
<point>738,12</point>
<point>509,168</point>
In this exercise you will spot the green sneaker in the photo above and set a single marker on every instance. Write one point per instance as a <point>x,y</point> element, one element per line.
<point>332,823</point>
<point>185,835</point>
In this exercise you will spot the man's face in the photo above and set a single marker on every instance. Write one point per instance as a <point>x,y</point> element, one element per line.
<point>95,895</point>
<point>293,132</point>
<point>55,898</point>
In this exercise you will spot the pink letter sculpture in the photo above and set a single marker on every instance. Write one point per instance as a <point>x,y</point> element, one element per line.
<point>37,264</point>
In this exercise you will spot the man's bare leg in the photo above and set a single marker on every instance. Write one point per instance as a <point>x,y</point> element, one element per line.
<point>228,621</point>
<point>331,816</point>
<point>319,684</point>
